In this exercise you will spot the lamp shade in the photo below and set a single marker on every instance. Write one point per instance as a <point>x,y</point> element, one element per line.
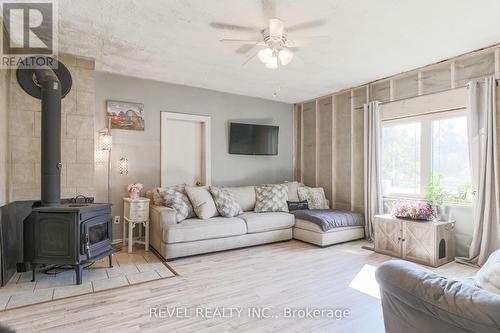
<point>285,56</point>
<point>105,141</point>
<point>100,156</point>
<point>265,54</point>
<point>272,63</point>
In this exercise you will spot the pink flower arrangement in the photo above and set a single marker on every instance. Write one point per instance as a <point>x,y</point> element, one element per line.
<point>136,188</point>
<point>415,210</point>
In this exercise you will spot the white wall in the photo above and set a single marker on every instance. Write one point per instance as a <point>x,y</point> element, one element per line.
<point>142,148</point>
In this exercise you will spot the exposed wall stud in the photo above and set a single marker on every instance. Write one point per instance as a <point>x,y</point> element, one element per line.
<point>302,143</point>
<point>334,199</point>
<point>497,64</point>
<point>316,147</point>
<point>452,76</point>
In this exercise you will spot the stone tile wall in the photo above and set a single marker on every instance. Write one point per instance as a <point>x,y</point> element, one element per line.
<point>77,136</point>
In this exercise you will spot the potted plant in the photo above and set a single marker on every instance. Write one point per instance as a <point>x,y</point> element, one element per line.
<point>134,190</point>
<point>436,196</point>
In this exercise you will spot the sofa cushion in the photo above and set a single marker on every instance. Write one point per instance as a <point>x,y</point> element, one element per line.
<point>310,226</point>
<point>260,222</point>
<point>271,198</point>
<point>197,229</point>
<point>203,203</point>
<point>245,195</point>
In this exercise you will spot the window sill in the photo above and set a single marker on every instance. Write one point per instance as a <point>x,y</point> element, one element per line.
<point>418,198</point>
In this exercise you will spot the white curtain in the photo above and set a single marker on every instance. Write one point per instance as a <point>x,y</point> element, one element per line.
<point>483,158</point>
<point>372,170</point>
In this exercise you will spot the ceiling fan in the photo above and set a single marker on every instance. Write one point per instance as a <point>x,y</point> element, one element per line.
<point>276,48</point>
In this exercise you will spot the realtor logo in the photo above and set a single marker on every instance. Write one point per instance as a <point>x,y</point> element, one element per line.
<point>29,28</point>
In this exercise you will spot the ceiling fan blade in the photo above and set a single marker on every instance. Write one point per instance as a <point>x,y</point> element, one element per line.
<point>305,40</point>
<point>241,41</point>
<point>245,48</point>
<point>233,27</point>
<point>249,58</point>
<point>306,25</point>
<point>276,27</point>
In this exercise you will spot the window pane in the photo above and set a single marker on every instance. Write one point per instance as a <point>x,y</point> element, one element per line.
<point>450,156</point>
<point>401,158</point>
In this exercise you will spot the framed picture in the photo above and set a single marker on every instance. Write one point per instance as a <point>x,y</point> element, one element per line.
<point>125,115</point>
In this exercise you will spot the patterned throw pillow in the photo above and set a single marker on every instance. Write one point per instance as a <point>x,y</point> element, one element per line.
<point>175,197</point>
<point>225,202</point>
<point>271,198</point>
<point>297,205</point>
<point>315,197</point>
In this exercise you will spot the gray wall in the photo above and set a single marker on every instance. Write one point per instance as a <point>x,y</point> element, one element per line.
<point>142,148</point>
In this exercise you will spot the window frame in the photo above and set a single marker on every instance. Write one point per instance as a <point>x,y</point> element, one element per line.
<point>426,148</point>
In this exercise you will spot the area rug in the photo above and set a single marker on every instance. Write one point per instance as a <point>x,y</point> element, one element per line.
<point>128,269</point>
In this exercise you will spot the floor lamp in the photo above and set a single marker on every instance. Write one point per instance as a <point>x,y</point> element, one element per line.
<point>105,145</point>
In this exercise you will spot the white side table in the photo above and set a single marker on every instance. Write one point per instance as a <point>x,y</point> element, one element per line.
<point>135,212</point>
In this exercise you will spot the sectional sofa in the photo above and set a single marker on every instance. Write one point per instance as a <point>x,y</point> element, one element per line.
<point>196,236</point>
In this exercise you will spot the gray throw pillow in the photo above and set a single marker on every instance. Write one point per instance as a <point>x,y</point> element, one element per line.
<point>226,205</point>
<point>271,198</point>
<point>175,197</point>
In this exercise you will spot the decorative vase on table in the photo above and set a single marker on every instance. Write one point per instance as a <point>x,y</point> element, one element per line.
<point>134,190</point>
<point>442,213</point>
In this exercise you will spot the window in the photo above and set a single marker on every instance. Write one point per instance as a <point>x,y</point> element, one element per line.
<point>418,150</point>
<point>402,158</point>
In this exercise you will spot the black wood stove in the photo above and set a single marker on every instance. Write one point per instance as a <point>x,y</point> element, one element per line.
<point>55,232</point>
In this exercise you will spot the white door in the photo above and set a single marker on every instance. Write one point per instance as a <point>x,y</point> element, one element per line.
<point>185,149</point>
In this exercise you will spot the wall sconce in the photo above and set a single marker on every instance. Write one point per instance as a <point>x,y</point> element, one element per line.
<point>100,156</point>
<point>123,166</point>
<point>105,139</point>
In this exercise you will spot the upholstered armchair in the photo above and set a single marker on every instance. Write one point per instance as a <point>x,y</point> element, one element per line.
<point>415,299</point>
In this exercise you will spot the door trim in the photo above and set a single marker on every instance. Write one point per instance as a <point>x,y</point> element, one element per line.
<point>206,157</point>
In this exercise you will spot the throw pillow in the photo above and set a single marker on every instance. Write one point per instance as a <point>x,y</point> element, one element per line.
<point>271,198</point>
<point>158,199</point>
<point>315,197</point>
<point>297,205</point>
<point>226,204</point>
<point>203,203</point>
<point>292,191</point>
<point>175,197</point>
<point>488,277</point>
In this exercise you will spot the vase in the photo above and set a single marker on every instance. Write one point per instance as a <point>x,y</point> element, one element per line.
<point>442,213</point>
<point>133,195</point>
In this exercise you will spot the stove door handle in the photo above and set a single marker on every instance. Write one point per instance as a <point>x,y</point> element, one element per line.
<point>87,246</point>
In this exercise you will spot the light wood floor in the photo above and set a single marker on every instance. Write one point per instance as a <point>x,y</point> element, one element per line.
<point>289,274</point>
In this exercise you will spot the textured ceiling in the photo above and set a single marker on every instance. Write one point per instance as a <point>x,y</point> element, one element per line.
<point>173,41</point>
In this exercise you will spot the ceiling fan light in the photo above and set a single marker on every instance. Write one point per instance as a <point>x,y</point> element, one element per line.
<point>272,63</point>
<point>265,54</point>
<point>285,56</point>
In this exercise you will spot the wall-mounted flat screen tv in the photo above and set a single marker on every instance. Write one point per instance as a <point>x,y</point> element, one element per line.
<point>249,139</point>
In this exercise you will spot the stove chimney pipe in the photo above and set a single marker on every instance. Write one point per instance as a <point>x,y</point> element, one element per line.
<point>49,83</point>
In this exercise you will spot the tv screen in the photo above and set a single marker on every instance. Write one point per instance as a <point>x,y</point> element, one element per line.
<point>248,139</point>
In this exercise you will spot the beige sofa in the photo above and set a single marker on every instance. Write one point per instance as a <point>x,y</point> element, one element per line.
<point>195,236</point>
